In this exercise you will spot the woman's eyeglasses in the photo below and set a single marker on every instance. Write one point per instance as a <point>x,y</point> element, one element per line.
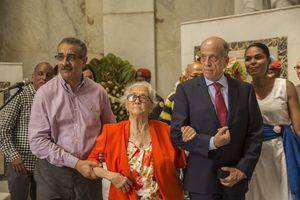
<point>142,98</point>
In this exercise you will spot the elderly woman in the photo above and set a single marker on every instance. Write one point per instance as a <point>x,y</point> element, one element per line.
<point>141,160</point>
<point>277,171</point>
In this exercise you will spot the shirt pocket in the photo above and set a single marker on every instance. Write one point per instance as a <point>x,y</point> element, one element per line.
<point>92,116</point>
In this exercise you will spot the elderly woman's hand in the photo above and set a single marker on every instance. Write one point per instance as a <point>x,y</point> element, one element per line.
<point>85,168</point>
<point>121,182</point>
<point>188,133</point>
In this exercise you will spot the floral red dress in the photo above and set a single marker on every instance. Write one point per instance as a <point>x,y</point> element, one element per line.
<point>142,168</point>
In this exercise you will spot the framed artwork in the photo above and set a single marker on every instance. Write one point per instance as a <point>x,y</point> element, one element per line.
<point>277,47</point>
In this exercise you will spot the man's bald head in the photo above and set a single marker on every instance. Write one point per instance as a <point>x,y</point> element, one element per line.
<point>42,73</point>
<point>193,70</point>
<point>220,43</point>
<point>41,64</point>
<point>214,57</point>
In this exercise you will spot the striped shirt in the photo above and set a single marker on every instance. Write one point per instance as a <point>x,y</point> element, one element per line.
<point>166,114</point>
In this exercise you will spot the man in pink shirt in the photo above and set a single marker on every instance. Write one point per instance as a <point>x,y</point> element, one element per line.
<point>66,117</point>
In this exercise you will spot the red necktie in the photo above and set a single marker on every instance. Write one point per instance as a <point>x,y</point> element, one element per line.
<point>220,105</point>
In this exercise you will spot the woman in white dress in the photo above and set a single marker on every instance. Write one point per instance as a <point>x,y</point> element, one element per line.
<point>277,173</point>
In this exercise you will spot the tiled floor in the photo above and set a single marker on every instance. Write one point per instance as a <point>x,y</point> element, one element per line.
<point>3,186</point>
<point>4,194</point>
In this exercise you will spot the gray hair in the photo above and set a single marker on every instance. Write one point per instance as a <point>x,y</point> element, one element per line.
<point>37,67</point>
<point>82,50</point>
<point>151,91</point>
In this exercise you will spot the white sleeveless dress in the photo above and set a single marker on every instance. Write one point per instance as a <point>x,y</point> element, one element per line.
<point>269,180</point>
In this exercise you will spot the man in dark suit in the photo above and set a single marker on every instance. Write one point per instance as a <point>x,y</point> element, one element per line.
<point>218,121</point>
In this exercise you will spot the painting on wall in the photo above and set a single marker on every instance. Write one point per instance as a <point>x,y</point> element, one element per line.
<point>277,47</point>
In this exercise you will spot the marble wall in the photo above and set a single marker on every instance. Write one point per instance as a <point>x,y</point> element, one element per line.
<point>169,15</point>
<point>224,26</point>
<point>245,6</point>
<point>145,32</point>
<point>94,28</point>
<point>129,31</point>
<point>31,29</point>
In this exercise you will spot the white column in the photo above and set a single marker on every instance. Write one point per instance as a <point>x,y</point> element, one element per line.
<point>129,31</point>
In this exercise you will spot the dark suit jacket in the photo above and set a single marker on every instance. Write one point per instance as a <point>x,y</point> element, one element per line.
<point>193,107</point>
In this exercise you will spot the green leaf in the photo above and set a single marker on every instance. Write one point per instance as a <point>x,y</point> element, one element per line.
<point>113,73</point>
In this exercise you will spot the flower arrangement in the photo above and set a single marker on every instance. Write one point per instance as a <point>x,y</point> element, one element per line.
<point>235,69</point>
<point>275,67</point>
<point>113,74</point>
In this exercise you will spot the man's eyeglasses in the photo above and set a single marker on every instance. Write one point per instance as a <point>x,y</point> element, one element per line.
<point>69,57</point>
<point>142,98</point>
<point>211,58</point>
<point>297,67</point>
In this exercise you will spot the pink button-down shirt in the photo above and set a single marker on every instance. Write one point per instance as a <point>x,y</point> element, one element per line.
<point>64,124</point>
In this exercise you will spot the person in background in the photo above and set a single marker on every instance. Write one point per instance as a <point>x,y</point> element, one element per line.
<point>192,70</point>
<point>217,120</point>
<point>144,74</point>
<point>66,117</point>
<point>89,73</point>
<point>141,159</point>
<point>14,119</point>
<point>277,171</point>
<point>297,68</point>
<point>274,69</point>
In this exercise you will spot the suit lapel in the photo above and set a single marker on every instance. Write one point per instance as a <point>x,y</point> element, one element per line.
<point>232,100</point>
<point>207,99</point>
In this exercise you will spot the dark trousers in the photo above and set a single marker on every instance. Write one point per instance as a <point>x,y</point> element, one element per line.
<point>64,183</point>
<point>197,196</point>
<point>20,185</point>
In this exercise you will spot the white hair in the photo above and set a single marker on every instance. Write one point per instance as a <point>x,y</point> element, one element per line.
<point>151,91</point>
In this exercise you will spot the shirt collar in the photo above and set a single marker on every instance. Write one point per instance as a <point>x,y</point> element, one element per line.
<point>67,86</point>
<point>223,81</point>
